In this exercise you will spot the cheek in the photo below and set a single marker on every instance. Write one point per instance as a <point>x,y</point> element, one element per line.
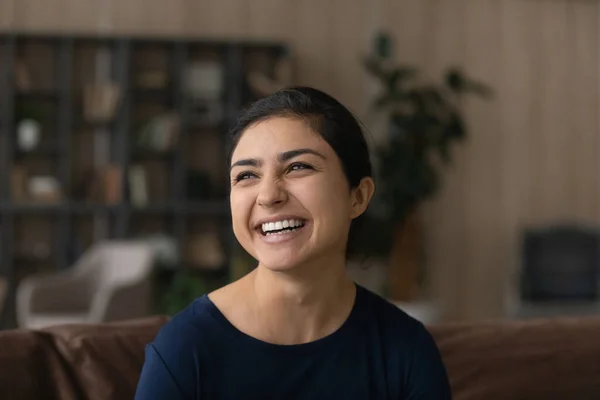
<point>240,205</point>
<point>328,200</point>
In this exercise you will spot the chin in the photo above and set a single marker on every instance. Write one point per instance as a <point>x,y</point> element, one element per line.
<point>280,263</point>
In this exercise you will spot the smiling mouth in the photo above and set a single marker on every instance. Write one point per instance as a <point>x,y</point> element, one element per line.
<point>281,227</point>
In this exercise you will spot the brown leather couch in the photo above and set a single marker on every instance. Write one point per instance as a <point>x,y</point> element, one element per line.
<point>542,359</point>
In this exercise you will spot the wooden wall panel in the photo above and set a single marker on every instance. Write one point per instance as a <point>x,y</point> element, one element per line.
<point>582,78</point>
<point>126,16</point>
<point>554,167</point>
<point>533,157</point>
<point>77,15</point>
<point>408,21</point>
<point>164,17</point>
<point>7,11</point>
<point>349,46</point>
<point>270,19</point>
<point>227,18</point>
<point>516,98</point>
<point>39,14</point>
<point>484,158</point>
<point>536,134</point>
<point>312,41</point>
<point>445,217</point>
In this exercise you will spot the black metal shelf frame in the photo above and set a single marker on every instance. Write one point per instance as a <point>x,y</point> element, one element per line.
<point>63,98</point>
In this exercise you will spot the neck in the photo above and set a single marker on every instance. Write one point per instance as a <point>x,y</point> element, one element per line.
<point>304,305</point>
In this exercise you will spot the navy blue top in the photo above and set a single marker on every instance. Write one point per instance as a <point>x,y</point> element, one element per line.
<point>378,353</point>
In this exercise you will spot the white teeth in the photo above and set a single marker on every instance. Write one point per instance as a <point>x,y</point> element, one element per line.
<point>267,227</point>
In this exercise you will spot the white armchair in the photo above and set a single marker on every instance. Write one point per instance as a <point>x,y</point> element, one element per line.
<point>111,281</point>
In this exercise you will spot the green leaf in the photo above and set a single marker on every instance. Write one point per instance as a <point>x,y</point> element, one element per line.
<point>375,67</point>
<point>383,45</point>
<point>459,84</point>
<point>424,123</point>
<point>399,76</point>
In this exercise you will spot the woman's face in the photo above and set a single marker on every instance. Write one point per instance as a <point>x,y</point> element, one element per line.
<point>290,200</point>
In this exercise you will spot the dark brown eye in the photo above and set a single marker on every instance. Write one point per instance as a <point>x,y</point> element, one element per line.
<point>244,176</point>
<point>299,166</point>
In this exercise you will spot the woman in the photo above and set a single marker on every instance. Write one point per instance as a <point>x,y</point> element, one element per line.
<point>296,327</point>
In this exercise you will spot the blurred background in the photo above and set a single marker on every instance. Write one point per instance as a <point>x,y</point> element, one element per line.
<point>482,116</point>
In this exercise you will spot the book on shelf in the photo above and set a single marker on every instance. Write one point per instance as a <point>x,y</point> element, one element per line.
<point>101,185</point>
<point>112,179</point>
<point>138,186</point>
<point>100,101</point>
<point>19,184</point>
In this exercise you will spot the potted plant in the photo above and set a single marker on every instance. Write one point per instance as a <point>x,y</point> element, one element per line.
<point>424,120</point>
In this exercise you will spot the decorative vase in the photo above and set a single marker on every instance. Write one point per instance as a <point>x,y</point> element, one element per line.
<point>406,259</point>
<point>28,133</point>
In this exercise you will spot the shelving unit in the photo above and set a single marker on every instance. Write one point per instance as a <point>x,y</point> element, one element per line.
<point>153,77</point>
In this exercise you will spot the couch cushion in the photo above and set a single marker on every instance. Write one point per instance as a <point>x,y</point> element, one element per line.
<point>106,359</point>
<point>31,368</point>
<point>540,359</point>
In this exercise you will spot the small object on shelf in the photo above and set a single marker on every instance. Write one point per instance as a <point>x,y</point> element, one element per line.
<point>101,186</point>
<point>41,251</point>
<point>206,112</point>
<point>29,132</point>
<point>151,79</point>
<point>100,101</point>
<point>205,80</point>
<point>160,133</point>
<point>23,81</point>
<point>205,251</point>
<point>204,87</point>
<point>19,184</point>
<point>138,186</point>
<point>45,189</point>
<point>88,186</point>
<point>112,178</point>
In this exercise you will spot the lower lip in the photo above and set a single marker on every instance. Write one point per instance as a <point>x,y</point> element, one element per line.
<point>282,237</point>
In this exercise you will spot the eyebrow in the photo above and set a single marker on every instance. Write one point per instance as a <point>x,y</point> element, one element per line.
<point>282,157</point>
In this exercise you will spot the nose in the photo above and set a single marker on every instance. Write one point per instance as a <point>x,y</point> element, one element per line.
<point>271,193</point>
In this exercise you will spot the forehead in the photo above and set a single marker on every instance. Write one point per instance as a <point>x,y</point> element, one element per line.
<point>276,135</point>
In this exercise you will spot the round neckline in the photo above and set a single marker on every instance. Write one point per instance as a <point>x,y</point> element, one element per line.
<point>335,337</point>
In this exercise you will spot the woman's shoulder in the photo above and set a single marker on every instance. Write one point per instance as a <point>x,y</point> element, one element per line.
<point>189,327</point>
<point>387,316</point>
<point>403,335</point>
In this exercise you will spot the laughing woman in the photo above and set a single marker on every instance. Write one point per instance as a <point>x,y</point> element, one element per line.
<point>296,327</point>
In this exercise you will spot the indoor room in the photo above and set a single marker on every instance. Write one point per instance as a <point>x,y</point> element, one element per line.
<point>127,199</point>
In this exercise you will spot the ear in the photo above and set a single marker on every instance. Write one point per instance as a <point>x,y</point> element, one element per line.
<point>361,196</point>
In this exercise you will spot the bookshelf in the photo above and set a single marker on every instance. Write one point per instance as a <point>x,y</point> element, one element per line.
<point>128,140</point>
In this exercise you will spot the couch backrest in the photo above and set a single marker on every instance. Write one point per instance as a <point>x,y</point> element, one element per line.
<point>533,360</point>
<point>75,362</point>
<point>32,368</point>
<point>530,360</point>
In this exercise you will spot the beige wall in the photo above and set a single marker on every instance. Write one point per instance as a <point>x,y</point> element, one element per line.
<point>533,155</point>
